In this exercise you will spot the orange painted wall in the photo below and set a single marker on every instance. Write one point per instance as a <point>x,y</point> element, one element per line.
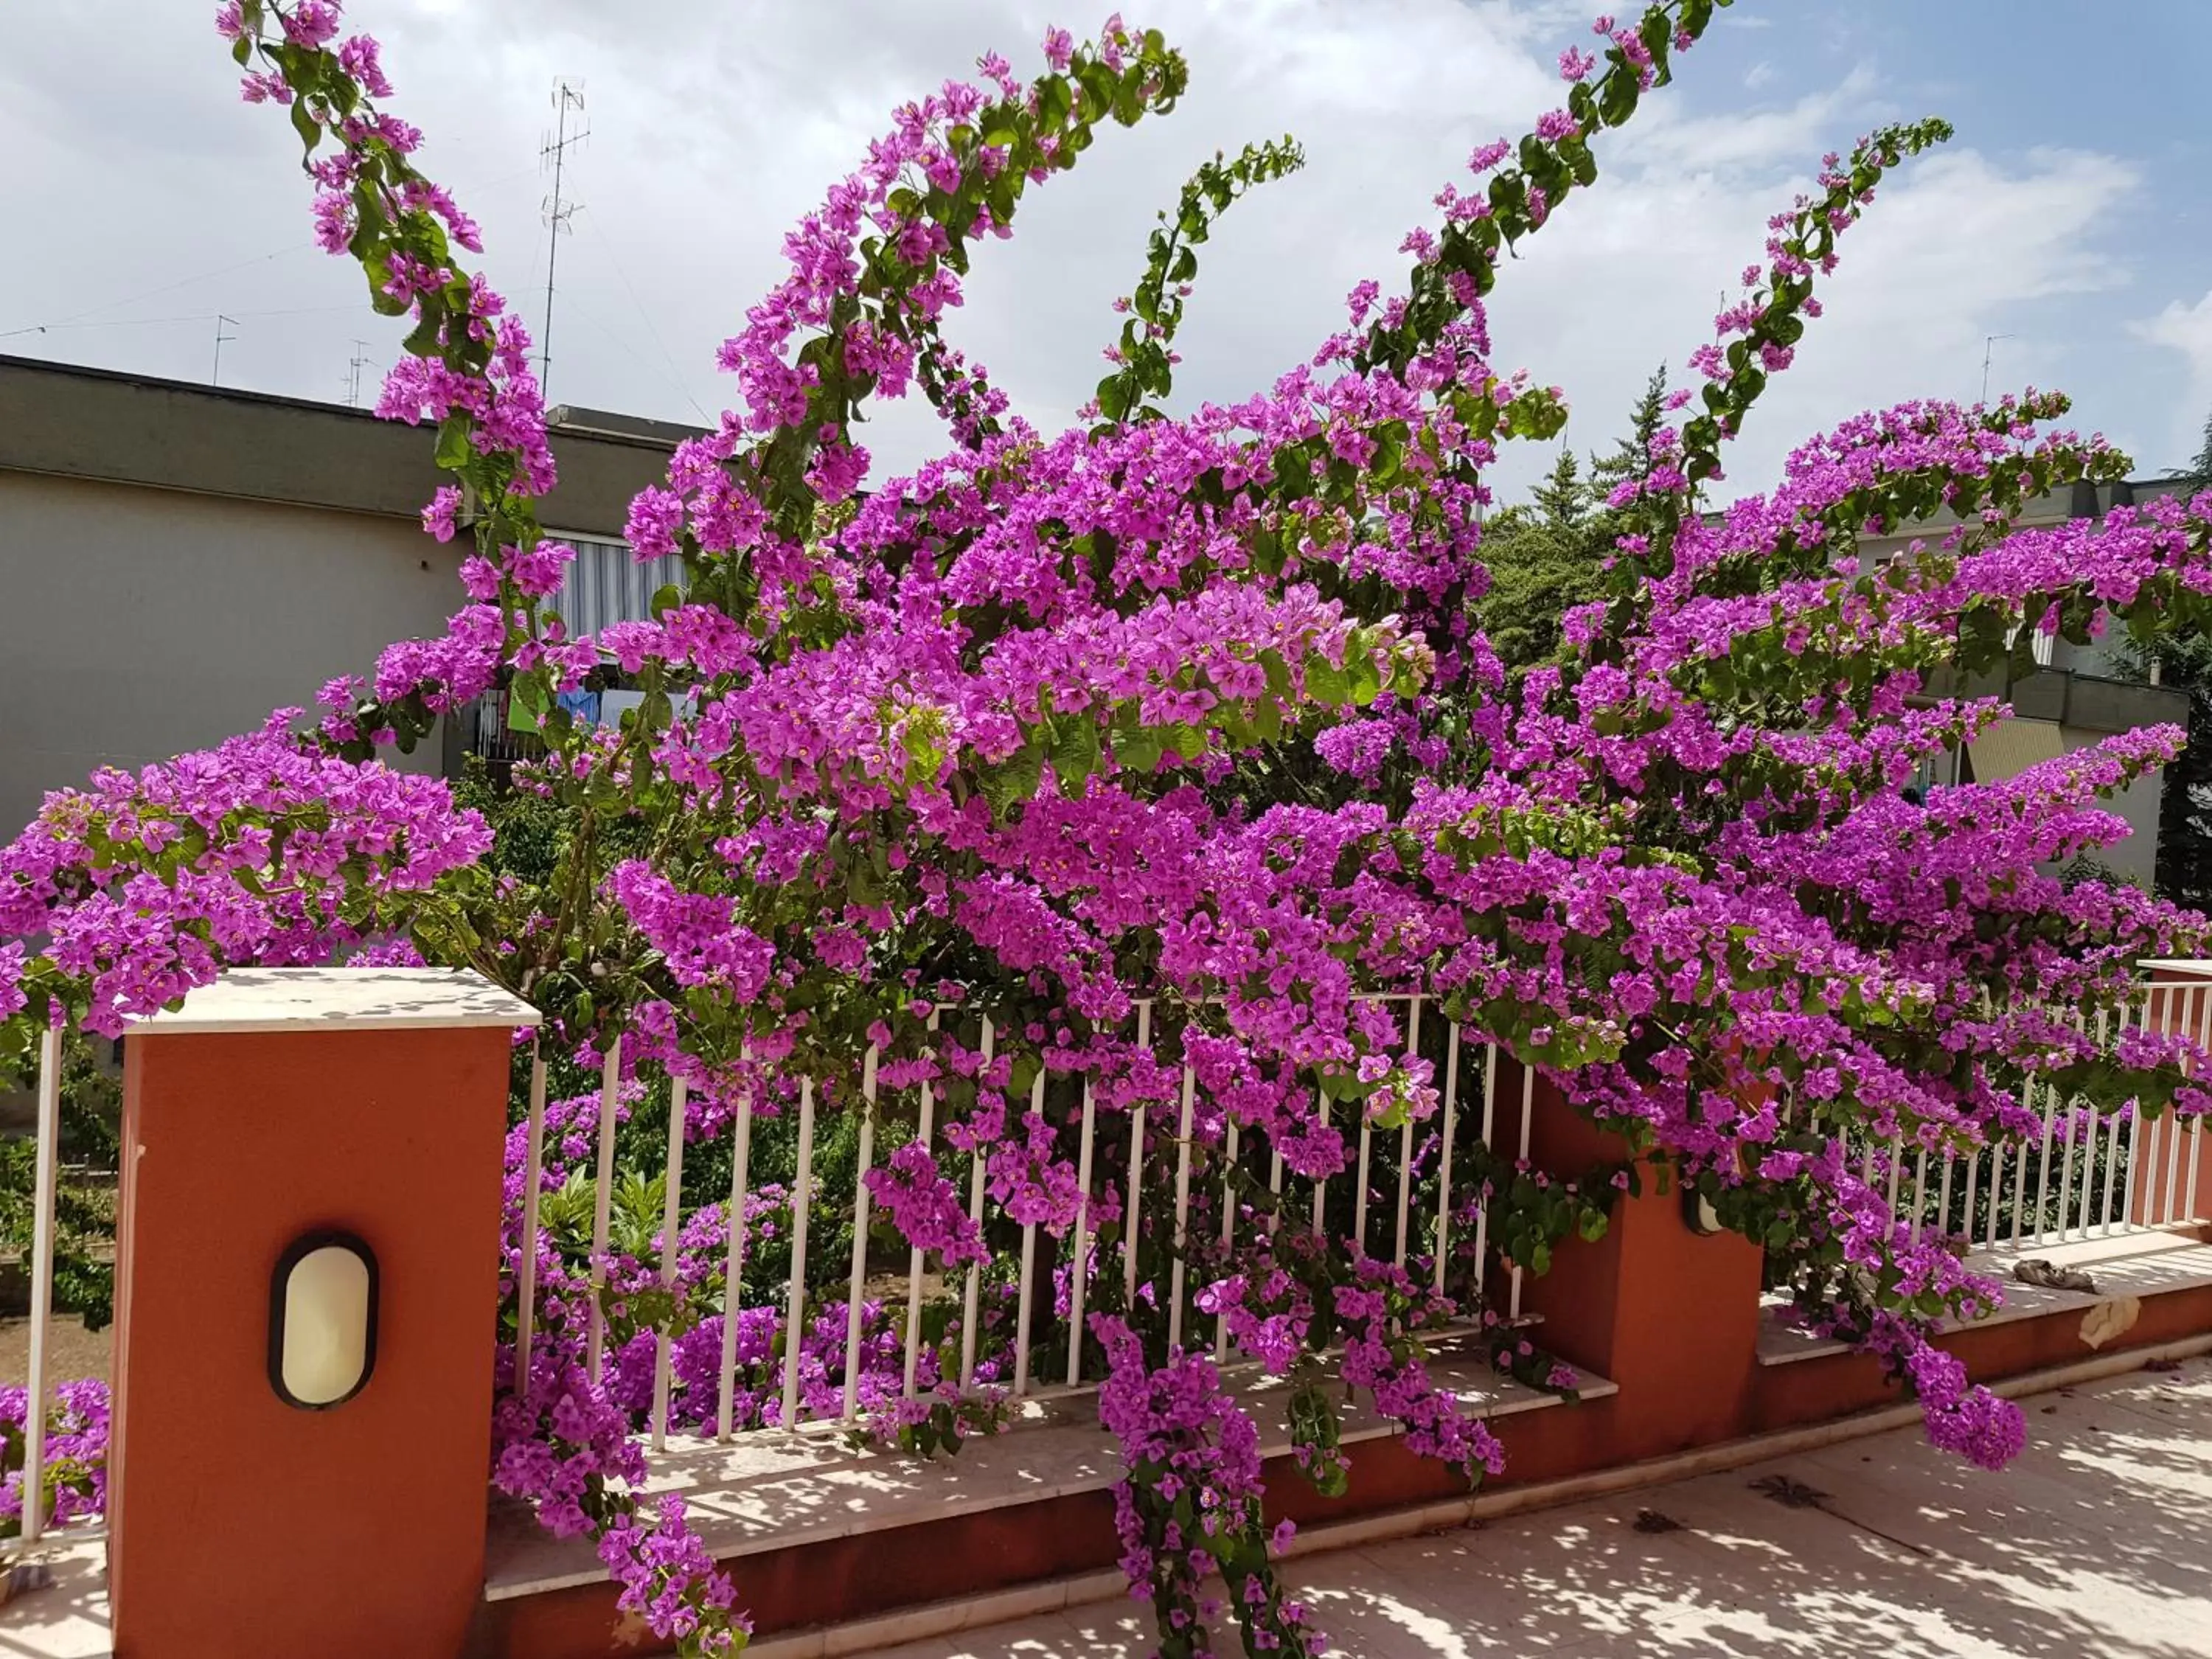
<point>241,1527</point>
<point>1666,1313</point>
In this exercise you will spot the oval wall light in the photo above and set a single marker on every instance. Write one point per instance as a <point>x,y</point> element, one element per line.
<point>322,1321</point>
<point>1698,1212</point>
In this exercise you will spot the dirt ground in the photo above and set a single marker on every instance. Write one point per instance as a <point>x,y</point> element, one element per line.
<point>72,1350</point>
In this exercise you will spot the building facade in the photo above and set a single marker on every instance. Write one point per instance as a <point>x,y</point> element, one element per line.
<point>178,560</point>
<point>2075,696</point>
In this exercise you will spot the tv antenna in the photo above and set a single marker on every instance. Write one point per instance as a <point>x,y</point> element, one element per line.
<point>567,95</point>
<point>1988,344</point>
<point>216,377</point>
<point>360,362</point>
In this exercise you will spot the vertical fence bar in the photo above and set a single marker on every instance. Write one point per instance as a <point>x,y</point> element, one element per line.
<point>1228,1234</point>
<point>2112,1157</point>
<point>2196,1143</point>
<point>1181,1207</point>
<point>1482,1206</point>
<point>914,1263</point>
<point>603,1193</point>
<point>1136,1168</point>
<point>802,1189</point>
<point>1443,1167</point>
<point>733,1267</point>
<point>1527,1122</point>
<point>1973,1184</point>
<point>672,1222</point>
<point>1360,1190</point>
<point>1406,1136</point>
<point>525,1274</point>
<point>2172,1138</point>
<point>2066,1164</point>
<point>1079,1285</point>
<point>1021,1316</point>
<point>47,1154</point>
<point>1996,1190</point>
<point>971,1299</point>
<point>2042,1166</point>
<point>1943,1198</point>
<point>2066,1172</point>
<point>1320,1182</point>
<point>859,1234</point>
<point>1919,1192</point>
<point>2197,1127</point>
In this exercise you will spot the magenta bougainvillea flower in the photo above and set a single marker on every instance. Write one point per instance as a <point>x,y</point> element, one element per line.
<point>1171,740</point>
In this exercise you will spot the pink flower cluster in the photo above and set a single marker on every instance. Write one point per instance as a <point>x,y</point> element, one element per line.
<point>1189,720</point>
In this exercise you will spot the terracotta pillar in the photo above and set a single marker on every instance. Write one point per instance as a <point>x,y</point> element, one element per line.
<point>276,1104</point>
<point>1670,1316</point>
<point>2171,1181</point>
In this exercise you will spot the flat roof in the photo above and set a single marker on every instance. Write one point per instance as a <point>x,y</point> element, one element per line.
<point>63,420</point>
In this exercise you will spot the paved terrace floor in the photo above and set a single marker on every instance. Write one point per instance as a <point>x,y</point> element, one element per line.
<point>2097,1541</point>
<point>2095,1544</point>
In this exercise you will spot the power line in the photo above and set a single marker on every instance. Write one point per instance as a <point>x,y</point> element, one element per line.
<point>152,293</point>
<point>567,96</point>
<point>645,316</point>
<point>75,318</point>
<point>189,317</point>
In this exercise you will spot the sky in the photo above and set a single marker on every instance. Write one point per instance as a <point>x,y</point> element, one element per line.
<point>2068,217</point>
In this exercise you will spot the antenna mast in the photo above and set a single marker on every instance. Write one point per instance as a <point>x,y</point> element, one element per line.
<point>567,96</point>
<point>353,373</point>
<point>216,377</point>
<point>1988,344</point>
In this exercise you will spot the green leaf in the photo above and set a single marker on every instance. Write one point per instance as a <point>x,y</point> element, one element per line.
<point>1326,682</point>
<point>1139,750</point>
<point>666,599</point>
<point>454,450</point>
<point>525,705</point>
<point>1016,779</point>
<point>1055,102</point>
<point>304,123</point>
<point>1075,751</point>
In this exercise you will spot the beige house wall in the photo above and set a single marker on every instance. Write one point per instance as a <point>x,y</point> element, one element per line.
<point>137,623</point>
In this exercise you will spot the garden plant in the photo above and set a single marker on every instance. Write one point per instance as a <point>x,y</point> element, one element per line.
<point>1180,718</point>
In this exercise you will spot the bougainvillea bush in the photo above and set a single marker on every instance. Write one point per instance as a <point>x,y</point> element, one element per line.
<point>1168,739</point>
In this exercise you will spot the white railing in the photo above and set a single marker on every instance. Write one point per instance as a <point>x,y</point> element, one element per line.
<point>2085,1176</point>
<point>2088,1175</point>
<point>42,1282</point>
<point>1399,1203</point>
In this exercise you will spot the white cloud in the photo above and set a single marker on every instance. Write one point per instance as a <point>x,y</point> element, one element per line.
<point>713,127</point>
<point>2187,330</point>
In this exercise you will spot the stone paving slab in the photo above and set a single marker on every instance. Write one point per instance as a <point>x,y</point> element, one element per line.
<point>2096,1544</point>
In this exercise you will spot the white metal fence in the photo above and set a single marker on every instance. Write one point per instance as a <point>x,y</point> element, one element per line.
<point>1398,1198</point>
<point>2085,1176</point>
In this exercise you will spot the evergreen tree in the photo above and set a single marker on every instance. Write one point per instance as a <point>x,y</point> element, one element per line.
<point>1547,554</point>
<point>2184,870</point>
<point>1631,456</point>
